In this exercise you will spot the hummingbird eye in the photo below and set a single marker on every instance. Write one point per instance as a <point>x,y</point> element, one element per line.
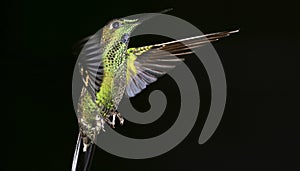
<point>116,25</point>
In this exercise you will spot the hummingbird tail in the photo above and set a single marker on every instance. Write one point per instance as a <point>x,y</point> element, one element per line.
<point>83,156</point>
<point>76,153</point>
<point>88,157</point>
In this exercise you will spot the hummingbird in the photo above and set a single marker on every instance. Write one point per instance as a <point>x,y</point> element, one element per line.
<point>109,69</point>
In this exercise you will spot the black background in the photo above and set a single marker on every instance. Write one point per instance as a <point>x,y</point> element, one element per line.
<point>259,127</point>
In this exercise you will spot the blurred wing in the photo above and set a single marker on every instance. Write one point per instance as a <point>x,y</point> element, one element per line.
<point>146,64</point>
<point>91,64</point>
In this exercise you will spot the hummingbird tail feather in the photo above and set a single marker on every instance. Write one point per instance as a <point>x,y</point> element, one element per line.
<point>89,157</point>
<point>82,159</point>
<point>76,153</point>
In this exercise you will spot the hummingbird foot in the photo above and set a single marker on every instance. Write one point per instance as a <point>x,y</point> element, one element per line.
<point>120,117</point>
<point>112,122</point>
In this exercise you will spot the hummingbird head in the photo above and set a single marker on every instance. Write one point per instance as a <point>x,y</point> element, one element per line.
<point>119,30</point>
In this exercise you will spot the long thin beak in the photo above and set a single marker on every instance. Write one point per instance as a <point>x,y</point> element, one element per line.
<point>146,17</point>
<point>152,15</point>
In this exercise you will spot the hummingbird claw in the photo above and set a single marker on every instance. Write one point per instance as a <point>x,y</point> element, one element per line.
<point>112,122</point>
<point>121,119</point>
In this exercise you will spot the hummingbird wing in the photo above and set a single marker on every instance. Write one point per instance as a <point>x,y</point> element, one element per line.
<point>91,64</point>
<point>145,64</point>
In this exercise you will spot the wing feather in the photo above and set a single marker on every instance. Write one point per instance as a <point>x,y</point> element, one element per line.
<point>91,64</point>
<point>152,62</point>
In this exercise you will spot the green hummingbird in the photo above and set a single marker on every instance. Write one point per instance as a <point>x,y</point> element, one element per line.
<point>109,69</point>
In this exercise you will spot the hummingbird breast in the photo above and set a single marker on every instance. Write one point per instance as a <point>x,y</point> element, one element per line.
<point>114,80</point>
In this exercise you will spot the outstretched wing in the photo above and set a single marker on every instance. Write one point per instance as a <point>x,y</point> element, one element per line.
<point>91,64</point>
<point>145,64</point>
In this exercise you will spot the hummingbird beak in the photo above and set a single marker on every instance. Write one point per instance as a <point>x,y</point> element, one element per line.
<point>145,17</point>
<point>152,15</point>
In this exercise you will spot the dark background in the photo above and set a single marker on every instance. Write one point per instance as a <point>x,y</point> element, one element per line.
<point>259,127</point>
